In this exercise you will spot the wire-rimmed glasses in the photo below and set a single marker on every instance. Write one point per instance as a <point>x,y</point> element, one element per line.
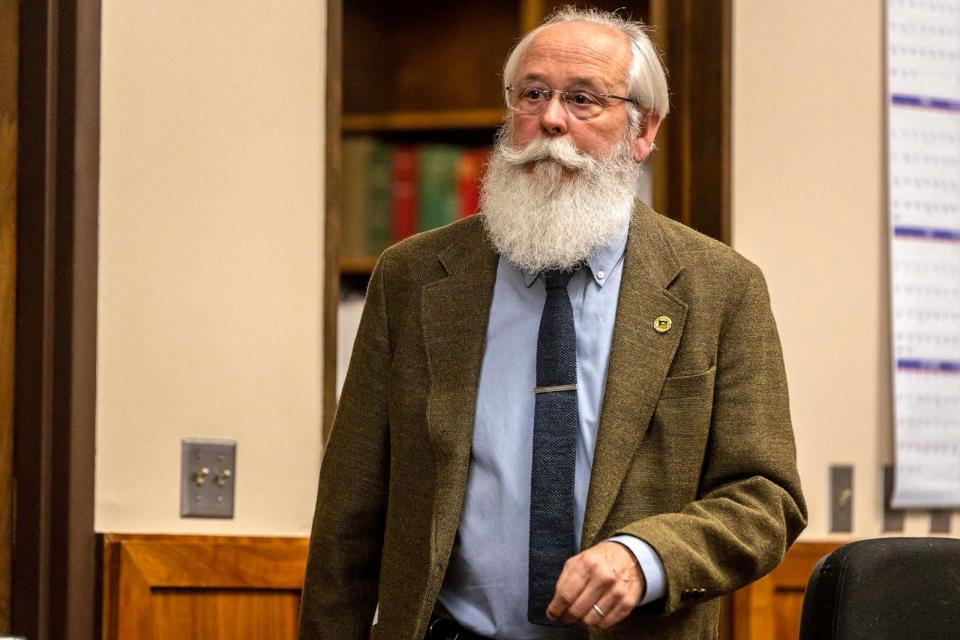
<point>582,104</point>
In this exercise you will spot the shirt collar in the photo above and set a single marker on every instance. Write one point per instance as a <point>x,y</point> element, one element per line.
<point>601,263</point>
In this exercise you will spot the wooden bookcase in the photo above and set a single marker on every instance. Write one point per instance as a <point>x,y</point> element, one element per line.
<point>425,72</point>
<point>430,72</point>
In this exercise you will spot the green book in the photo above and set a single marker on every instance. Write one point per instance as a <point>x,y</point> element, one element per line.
<point>353,216</point>
<point>438,200</point>
<point>379,198</point>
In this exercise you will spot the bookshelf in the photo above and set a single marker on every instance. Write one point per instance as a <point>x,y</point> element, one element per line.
<point>429,73</point>
<point>419,76</point>
<point>421,120</point>
<point>420,84</point>
<point>357,265</point>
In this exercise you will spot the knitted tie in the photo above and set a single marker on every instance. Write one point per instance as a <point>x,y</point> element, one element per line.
<point>552,535</point>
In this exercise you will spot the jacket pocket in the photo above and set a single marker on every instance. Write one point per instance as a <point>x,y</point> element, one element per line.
<point>691,386</point>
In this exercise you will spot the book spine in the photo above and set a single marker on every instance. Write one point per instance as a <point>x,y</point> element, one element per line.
<point>438,185</point>
<point>379,198</point>
<point>469,177</point>
<point>353,231</point>
<point>404,192</point>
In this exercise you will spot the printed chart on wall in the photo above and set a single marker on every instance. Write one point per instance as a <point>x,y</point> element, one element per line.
<point>923,119</point>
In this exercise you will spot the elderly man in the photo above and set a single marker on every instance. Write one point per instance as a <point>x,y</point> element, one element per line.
<point>565,417</point>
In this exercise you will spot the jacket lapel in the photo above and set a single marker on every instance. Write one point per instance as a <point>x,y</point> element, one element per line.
<point>455,310</point>
<point>640,357</point>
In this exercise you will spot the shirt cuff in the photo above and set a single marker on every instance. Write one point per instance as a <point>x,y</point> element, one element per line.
<point>650,563</point>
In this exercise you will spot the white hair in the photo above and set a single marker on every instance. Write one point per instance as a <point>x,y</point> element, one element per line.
<point>647,79</point>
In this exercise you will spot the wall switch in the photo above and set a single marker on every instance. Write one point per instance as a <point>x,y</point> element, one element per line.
<point>841,498</point>
<point>208,473</point>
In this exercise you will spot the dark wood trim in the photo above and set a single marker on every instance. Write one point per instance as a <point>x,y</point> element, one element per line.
<point>332,198</point>
<point>726,123</point>
<point>692,177</point>
<point>9,61</point>
<point>55,571</point>
<point>659,160</point>
<point>423,120</point>
<point>532,13</point>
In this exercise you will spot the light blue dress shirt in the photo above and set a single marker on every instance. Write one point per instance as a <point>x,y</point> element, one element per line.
<point>485,588</point>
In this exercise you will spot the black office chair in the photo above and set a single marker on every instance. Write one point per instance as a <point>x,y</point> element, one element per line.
<point>885,589</point>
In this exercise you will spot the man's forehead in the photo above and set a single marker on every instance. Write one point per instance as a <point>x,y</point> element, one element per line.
<point>578,50</point>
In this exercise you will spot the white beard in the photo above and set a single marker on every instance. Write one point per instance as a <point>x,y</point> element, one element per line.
<point>549,206</point>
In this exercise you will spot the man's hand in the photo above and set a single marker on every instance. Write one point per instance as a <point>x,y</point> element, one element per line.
<point>605,575</point>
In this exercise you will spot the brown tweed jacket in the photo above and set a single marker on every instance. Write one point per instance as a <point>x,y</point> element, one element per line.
<point>694,454</point>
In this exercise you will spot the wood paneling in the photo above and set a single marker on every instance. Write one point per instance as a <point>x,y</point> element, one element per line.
<point>222,613</point>
<point>202,587</point>
<point>233,588</point>
<point>8,283</point>
<point>769,609</point>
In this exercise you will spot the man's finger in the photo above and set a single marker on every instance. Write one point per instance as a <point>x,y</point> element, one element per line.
<point>613,586</point>
<point>570,584</point>
<point>615,605</point>
<point>585,577</point>
<point>601,582</point>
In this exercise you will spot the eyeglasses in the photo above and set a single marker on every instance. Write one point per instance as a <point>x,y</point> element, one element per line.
<point>580,103</point>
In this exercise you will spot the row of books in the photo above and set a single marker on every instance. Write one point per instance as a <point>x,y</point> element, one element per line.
<point>391,191</point>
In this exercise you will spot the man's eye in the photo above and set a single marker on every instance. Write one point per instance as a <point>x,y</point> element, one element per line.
<point>532,94</point>
<point>582,99</point>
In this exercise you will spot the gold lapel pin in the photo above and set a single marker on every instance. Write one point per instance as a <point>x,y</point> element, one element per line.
<point>662,324</point>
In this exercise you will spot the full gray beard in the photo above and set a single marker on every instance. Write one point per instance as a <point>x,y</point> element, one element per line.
<point>540,218</point>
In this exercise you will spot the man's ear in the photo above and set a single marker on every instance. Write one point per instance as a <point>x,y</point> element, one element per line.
<point>643,143</point>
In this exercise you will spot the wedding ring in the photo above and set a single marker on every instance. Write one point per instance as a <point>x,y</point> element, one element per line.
<point>600,612</point>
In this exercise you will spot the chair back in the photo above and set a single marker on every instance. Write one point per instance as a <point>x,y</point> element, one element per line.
<point>885,589</point>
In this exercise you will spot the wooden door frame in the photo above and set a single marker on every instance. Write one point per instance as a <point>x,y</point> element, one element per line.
<point>9,64</point>
<point>693,176</point>
<point>333,168</point>
<point>55,568</point>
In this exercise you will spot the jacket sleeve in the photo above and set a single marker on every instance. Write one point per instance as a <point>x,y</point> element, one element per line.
<point>343,565</point>
<point>749,507</point>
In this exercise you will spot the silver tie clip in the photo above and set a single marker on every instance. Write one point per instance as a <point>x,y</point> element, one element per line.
<point>559,387</point>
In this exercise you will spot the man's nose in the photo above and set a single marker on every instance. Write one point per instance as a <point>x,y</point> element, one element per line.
<point>554,118</point>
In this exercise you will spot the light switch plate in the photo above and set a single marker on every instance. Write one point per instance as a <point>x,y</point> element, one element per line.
<point>841,498</point>
<point>208,474</point>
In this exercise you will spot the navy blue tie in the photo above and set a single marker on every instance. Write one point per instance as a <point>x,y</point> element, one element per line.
<point>555,421</point>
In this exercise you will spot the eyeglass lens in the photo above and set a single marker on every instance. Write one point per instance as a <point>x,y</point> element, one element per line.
<point>580,104</point>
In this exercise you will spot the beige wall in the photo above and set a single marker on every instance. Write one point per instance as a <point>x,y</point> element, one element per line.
<point>210,257</point>
<point>809,208</point>
<point>210,248</point>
